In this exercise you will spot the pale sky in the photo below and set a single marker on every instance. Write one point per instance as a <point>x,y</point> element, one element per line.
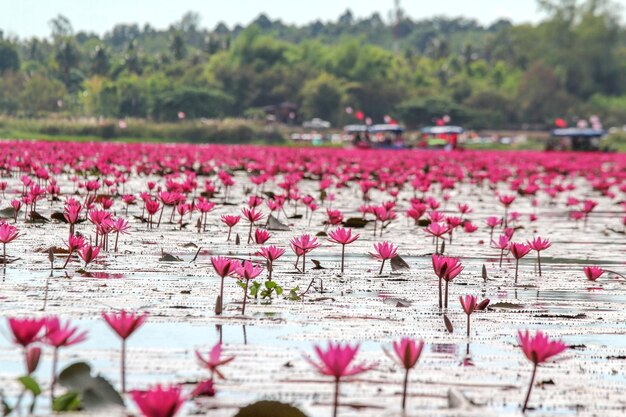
<point>26,18</point>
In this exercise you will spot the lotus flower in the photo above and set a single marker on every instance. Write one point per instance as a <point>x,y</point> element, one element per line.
<point>593,272</point>
<point>124,324</point>
<point>538,244</point>
<point>384,251</point>
<point>342,237</point>
<point>214,360</point>
<point>446,269</point>
<point>336,361</point>
<point>538,349</point>
<point>408,352</point>
<point>159,401</point>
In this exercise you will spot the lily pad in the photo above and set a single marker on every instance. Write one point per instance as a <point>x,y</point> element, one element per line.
<point>355,223</point>
<point>275,225</point>
<point>399,264</point>
<point>269,409</point>
<point>95,392</point>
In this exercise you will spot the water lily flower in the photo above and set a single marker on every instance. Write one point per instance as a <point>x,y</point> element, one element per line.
<point>124,324</point>
<point>26,331</point>
<point>213,361</point>
<point>538,244</point>
<point>230,221</point>
<point>383,252</point>
<point>223,267</point>
<point>407,353</point>
<point>336,361</point>
<point>446,268</point>
<point>470,304</point>
<point>252,216</point>
<point>593,272</point>
<point>60,335</point>
<point>538,349</point>
<point>270,253</point>
<point>261,236</point>
<point>8,233</point>
<point>88,253</point>
<point>246,272</point>
<point>302,245</point>
<point>518,250</point>
<point>342,237</point>
<point>159,401</point>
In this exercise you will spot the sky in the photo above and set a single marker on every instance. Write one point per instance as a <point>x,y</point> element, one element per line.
<point>26,18</point>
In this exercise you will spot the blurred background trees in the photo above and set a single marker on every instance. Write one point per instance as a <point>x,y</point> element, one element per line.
<point>499,75</point>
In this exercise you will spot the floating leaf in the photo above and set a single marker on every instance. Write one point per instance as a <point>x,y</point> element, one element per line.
<point>398,264</point>
<point>275,225</point>
<point>506,305</point>
<point>448,324</point>
<point>167,257</point>
<point>397,302</point>
<point>269,409</point>
<point>67,402</point>
<point>317,264</point>
<point>31,385</point>
<point>95,392</point>
<point>355,223</point>
<point>189,245</point>
<point>35,217</point>
<point>457,400</point>
<point>423,223</point>
<point>58,216</point>
<point>7,212</point>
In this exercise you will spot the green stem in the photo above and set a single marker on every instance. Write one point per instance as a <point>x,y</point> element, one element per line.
<point>530,387</point>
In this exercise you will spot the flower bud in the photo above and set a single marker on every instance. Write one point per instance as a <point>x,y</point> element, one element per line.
<point>32,358</point>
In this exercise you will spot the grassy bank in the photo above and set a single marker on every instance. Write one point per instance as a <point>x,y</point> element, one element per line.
<point>134,130</point>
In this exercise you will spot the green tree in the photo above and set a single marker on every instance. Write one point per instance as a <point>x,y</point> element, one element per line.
<point>178,47</point>
<point>9,59</point>
<point>323,97</point>
<point>67,57</point>
<point>100,64</point>
<point>41,95</point>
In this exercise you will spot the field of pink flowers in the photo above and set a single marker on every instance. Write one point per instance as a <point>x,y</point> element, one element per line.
<point>163,280</point>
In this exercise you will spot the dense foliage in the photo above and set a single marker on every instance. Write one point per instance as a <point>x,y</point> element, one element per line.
<point>572,64</point>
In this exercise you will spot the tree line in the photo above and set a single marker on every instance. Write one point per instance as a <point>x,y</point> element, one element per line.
<point>570,65</point>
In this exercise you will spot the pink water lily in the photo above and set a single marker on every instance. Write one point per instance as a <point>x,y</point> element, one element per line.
<point>8,233</point>
<point>470,304</point>
<point>60,335</point>
<point>446,269</point>
<point>301,246</point>
<point>246,272</point>
<point>342,237</point>
<point>159,401</point>
<point>538,244</point>
<point>384,251</point>
<point>213,361</point>
<point>593,272</point>
<point>336,361</point>
<point>270,254</point>
<point>124,324</point>
<point>538,349</point>
<point>407,353</point>
<point>223,267</point>
<point>518,250</point>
